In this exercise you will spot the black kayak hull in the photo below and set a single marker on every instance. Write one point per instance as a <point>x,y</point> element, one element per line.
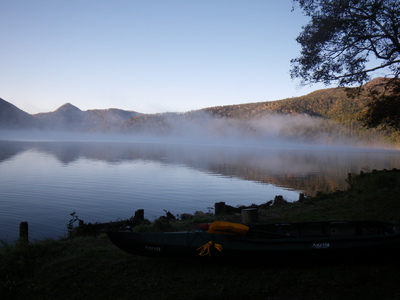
<point>316,240</point>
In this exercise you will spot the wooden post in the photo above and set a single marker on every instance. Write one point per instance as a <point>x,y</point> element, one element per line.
<point>81,223</point>
<point>23,231</point>
<point>279,200</point>
<point>301,197</point>
<point>250,215</point>
<point>139,215</point>
<point>219,208</point>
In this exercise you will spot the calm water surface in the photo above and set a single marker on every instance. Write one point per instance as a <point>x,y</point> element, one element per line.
<point>43,182</point>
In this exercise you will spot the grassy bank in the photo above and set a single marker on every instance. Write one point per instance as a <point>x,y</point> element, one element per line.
<point>92,268</point>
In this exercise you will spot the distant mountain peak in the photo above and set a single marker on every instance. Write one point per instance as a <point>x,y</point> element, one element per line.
<point>68,107</point>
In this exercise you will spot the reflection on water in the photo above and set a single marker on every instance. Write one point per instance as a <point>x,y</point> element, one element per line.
<point>299,169</point>
<point>42,182</point>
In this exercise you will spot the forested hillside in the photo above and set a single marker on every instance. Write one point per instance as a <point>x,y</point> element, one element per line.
<point>327,115</point>
<point>336,109</point>
<point>327,103</point>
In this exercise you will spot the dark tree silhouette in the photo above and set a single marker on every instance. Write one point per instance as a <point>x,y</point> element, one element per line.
<point>343,35</point>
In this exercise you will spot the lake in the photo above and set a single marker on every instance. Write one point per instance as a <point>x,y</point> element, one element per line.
<point>44,182</point>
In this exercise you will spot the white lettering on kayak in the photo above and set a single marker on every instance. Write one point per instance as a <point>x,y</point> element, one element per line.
<point>152,248</point>
<point>320,245</point>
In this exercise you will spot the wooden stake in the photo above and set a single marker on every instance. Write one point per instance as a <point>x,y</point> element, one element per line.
<point>23,231</point>
<point>219,208</point>
<point>139,215</point>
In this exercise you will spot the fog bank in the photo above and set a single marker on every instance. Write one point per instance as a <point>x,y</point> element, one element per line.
<point>272,131</point>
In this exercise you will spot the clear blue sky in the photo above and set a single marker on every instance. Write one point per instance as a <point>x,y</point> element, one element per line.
<point>147,55</point>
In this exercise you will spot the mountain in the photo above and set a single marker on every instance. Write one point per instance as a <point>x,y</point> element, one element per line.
<point>71,118</point>
<point>328,115</point>
<point>329,112</point>
<point>332,103</point>
<point>338,104</point>
<point>11,117</point>
<point>66,117</point>
<point>107,119</point>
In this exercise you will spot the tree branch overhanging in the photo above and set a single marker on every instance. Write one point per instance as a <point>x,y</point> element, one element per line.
<point>357,28</point>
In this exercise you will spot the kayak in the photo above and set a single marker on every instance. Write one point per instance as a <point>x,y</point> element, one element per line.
<point>326,240</point>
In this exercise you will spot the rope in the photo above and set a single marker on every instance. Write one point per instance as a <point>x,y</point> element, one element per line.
<point>206,249</point>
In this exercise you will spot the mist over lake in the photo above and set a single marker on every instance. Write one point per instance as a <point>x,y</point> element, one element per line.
<point>43,182</point>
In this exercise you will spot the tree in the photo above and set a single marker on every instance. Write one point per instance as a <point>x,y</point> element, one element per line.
<point>384,110</point>
<point>346,41</point>
<point>343,35</point>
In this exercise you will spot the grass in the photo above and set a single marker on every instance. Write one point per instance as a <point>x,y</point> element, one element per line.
<point>93,268</point>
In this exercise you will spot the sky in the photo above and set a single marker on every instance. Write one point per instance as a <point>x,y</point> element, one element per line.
<point>149,56</point>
